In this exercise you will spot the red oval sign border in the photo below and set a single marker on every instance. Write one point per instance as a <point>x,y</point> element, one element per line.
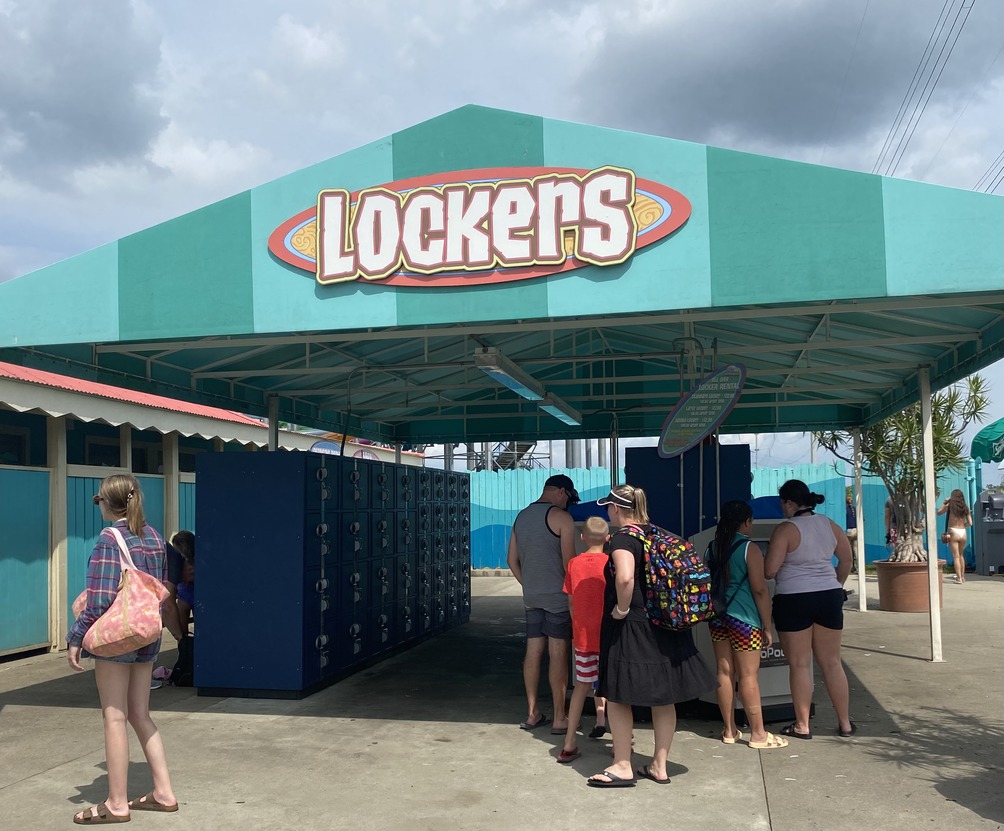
<point>679,213</point>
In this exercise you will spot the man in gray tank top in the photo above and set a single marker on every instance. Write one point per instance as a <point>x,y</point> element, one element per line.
<point>540,545</point>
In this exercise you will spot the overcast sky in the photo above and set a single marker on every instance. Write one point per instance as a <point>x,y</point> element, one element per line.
<point>117,115</point>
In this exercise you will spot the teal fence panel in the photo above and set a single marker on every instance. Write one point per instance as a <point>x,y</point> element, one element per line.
<point>153,500</point>
<point>83,524</point>
<point>186,506</point>
<point>874,496</point>
<point>24,559</point>
<point>822,479</point>
<point>497,496</point>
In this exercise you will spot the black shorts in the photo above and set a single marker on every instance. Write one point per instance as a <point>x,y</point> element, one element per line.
<point>796,612</point>
<point>540,623</point>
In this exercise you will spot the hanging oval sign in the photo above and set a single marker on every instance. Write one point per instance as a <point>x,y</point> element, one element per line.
<point>476,227</point>
<point>701,411</point>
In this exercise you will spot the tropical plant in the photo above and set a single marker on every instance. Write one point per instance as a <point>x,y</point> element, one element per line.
<point>892,449</point>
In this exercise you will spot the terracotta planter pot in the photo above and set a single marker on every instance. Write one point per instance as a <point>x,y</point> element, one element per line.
<point>903,586</point>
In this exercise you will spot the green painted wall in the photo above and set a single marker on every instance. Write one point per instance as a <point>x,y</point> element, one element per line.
<point>929,226</point>
<point>189,276</point>
<point>24,559</point>
<point>673,273</point>
<point>67,302</point>
<point>465,139</point>
<point>288,299</point>
<point>787,232</point>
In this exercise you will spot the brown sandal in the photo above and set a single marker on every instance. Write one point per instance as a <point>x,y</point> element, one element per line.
<point>150,803</point>
<point>99,815</point>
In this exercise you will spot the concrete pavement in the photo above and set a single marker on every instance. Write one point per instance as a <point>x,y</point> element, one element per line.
<point>428,740</point>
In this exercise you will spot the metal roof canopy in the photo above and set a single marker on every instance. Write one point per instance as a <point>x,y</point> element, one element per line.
<point>833,288</point>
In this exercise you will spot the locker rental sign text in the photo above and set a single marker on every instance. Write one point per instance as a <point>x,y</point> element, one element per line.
<point>477,227</point>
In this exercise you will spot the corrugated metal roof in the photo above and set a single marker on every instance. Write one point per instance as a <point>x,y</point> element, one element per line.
<point>64,382</point>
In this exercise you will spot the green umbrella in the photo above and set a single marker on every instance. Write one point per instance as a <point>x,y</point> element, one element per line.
<point>988,444</point>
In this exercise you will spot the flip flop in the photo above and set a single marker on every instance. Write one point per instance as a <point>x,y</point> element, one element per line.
<point>150,803</point>
<point>598,732</point>
<point>559,731</point>
<point>769,743</point>
<point>615,781</point>
<point>533,725</point>
<point>99,815</point>
<point>793,733</point>
<point>737,737</point>
<point>846,734</point>
<point>565,757</point>
<point>647,774</point>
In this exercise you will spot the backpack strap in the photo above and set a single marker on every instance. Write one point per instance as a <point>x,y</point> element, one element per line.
<point>746,576</point>
<point>635,532</point>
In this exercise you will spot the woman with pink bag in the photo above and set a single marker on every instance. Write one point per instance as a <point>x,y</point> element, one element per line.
<point>124,680</point>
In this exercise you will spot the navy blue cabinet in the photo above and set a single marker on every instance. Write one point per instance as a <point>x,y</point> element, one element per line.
<point>311,565</point>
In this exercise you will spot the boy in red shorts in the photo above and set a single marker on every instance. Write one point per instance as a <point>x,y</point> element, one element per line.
<point>584,585</point>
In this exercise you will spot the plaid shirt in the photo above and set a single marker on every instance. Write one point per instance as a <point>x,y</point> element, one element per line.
<point>104,571</point>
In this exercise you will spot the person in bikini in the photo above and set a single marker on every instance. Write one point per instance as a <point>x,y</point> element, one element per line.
<point>959,517</point>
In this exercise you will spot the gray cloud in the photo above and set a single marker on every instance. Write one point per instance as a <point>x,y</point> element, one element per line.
<point>779,75</point>
<point>77,87</point>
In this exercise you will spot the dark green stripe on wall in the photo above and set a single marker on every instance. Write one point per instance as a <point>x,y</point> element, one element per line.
<point>466,139</point>
<point>787,231</point>
<point>189,276</point>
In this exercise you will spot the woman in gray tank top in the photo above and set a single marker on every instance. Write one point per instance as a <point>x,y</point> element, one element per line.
<point>808,603</point>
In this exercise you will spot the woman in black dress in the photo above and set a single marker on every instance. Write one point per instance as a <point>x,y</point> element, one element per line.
<point>640,664</point>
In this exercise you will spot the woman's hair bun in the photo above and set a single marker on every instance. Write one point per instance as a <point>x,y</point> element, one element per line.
<point>819,498</point>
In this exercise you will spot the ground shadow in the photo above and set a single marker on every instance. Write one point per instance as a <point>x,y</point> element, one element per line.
<point>97,791</point>
<point>935,739</point>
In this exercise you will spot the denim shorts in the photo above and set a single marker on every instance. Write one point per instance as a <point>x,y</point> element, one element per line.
<point>146,655</point>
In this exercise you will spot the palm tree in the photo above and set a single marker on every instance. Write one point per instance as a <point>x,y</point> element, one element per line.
<point>892,449</point>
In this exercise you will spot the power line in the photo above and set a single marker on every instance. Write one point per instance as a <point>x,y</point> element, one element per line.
<point>962,112</point>
<point>925,80</point>
<point>987,183</point>
<point>931,86</point>
<point>909,92</point>
<point>843,83</point>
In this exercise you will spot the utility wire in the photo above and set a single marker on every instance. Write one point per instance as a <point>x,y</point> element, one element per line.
<point>843,83</point>
<point>909,92</point>
<point>962,112</point>
<point>990,175</point>
<point>931,86</point>
<point>922,86</point>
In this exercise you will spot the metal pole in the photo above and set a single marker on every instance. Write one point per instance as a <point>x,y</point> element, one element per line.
<point>859,513</point>
<point>615,454</point>
<point>930,525</point>
<point>273,423</point>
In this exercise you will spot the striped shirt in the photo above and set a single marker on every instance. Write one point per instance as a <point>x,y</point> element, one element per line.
<point>104,571</point>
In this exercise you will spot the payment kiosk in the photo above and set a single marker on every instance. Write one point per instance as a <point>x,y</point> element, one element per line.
<point>775,694</point>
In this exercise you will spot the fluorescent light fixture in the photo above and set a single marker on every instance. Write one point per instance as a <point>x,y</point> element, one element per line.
<point>552,405</point>
<point>499,368</point>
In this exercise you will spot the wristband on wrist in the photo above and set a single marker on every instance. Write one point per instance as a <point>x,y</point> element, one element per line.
<point>621,611</point>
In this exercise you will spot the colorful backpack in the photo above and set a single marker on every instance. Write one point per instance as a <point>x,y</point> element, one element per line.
<point>677,580</point>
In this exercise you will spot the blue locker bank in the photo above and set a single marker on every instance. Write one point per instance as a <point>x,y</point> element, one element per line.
<point>311,565</point>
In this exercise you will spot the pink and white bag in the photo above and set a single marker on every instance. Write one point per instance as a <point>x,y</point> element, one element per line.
<point>134,619</point>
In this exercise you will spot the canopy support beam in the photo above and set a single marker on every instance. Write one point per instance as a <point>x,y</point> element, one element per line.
<point>930,525</point>
<point>859,524</point>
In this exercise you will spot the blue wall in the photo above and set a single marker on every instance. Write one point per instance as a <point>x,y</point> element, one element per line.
<point>831,483</point>
<point>496,498</point>
<point>24,559</point>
